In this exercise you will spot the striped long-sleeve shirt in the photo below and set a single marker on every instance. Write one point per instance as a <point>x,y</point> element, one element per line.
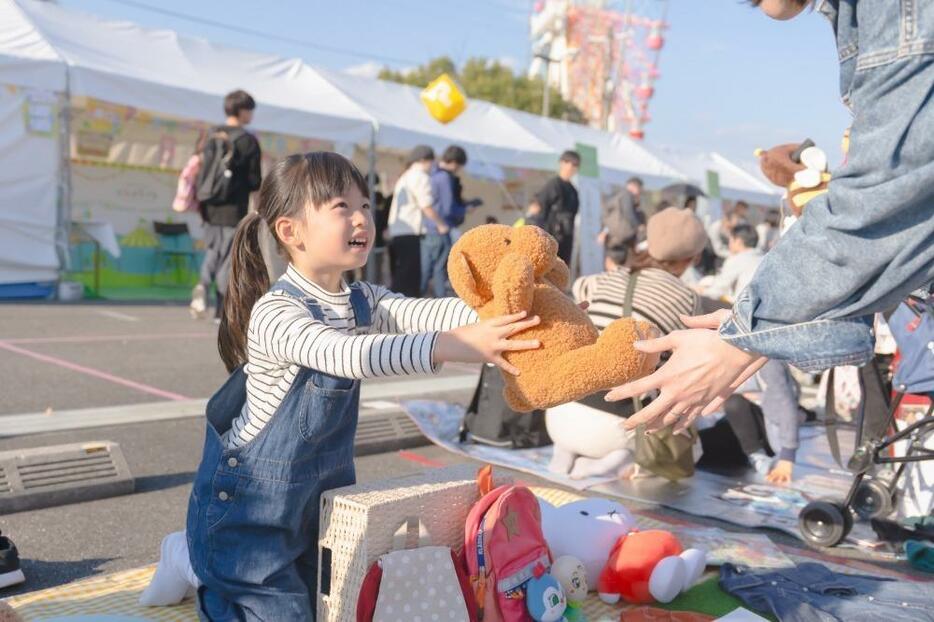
<point>283,337</point>
<point>659,298</point>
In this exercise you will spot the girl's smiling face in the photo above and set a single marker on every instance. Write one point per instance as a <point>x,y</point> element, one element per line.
<point>339,233</point>
<point>330,238</point>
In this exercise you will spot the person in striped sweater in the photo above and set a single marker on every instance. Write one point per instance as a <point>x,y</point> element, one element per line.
<point>281,430</point>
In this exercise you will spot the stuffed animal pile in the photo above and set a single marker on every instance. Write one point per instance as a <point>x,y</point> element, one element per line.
<point>617,559</point>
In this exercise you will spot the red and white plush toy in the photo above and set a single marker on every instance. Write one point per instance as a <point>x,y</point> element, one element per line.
<point>649,566</point>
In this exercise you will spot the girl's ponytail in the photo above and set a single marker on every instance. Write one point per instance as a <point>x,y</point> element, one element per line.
<point>249,280</point>
<point>291,186</point>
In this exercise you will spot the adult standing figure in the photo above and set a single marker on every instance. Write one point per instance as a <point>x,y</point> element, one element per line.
<point>411,204</point>
<point>230,171</point>
<point>860,248</point>
<point>448,204</point>
<point>555,205</point>
<point>622,221</point>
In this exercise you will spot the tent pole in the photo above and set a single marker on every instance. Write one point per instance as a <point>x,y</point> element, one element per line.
<point>373,266</point>
<point>63,213</point>
<point>371,162</point>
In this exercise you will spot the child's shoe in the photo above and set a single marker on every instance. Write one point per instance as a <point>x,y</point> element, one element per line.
<point>10,572</point>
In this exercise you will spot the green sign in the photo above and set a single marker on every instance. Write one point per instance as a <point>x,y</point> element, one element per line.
<point>588,153</point>
<point>713,184</point>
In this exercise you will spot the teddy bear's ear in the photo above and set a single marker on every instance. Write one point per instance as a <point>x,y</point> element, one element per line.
<point>463,281</point>
<point>559,275</point>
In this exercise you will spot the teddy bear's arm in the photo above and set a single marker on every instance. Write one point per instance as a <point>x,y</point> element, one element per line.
<point>513,285</point>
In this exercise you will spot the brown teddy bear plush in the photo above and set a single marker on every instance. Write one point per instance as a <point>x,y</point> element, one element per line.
<point>499,270</point>
<point>800,169</point>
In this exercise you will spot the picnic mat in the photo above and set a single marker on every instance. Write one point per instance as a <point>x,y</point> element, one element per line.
<point>745,500</point>
<point>114,597</point>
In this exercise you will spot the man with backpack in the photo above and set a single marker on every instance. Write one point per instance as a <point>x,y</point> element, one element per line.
<point>230,171</point>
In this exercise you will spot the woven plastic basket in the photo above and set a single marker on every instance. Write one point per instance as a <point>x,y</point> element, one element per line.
<point>358,524</point>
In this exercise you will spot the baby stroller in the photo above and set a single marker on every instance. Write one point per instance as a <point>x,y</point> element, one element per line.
<point>871,495</point>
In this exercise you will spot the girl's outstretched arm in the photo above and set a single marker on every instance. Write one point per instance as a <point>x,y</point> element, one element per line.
<point>282,333</point>
<point>394,313</point>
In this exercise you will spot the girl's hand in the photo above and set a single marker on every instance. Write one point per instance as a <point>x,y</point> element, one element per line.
<point>703,370</point>
<point>486,341</point>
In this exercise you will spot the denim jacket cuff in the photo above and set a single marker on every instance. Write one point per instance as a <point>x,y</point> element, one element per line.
<point>810,346</point>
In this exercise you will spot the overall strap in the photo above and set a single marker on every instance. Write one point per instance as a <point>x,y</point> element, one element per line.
<point>310,303</point>
<point>627,312</point>
<point>361,307</point>
<point>630,293</point>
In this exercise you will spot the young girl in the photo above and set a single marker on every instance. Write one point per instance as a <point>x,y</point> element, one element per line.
<point>281,429</point>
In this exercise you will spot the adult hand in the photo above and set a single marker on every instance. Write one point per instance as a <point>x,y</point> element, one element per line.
<point>710,320</point>
<point>443,229</point>
<point>703,370</point>
<point>781,473</point>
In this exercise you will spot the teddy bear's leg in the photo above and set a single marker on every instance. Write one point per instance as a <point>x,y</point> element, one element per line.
<point>561,460</point>
<point>609,362</point>
<point>515,400</point>
<point>609,465</point>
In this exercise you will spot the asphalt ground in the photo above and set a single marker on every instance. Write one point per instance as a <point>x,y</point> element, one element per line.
<point>68,357</point>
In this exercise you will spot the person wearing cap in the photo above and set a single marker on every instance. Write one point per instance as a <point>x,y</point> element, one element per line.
<point>675,238</point>
<point>588,439</point>
<point>411,205</point>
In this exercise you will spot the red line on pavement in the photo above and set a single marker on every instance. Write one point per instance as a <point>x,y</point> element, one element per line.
<point>145,388</point>
<point>97,338</point>
<point>420,459</point>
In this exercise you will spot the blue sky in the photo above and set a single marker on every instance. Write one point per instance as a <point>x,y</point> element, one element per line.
<point>732,79</point>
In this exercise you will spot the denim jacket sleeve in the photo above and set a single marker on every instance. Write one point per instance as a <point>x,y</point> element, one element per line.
<point>863,246</point>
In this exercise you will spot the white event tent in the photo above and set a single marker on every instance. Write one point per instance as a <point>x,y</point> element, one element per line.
<point>50,55</point>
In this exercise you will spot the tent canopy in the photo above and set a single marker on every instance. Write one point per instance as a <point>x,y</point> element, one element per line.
<point>483,129</point>
<point>26,58</point>
<point>618,156</point>
<point>736,183</point>
<point>161,71</point>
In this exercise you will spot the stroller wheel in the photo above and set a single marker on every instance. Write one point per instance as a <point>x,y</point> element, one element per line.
<point>873,499</point>
<point>823,523</point>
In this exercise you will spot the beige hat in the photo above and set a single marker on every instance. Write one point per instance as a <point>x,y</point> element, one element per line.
<point>675,234</point>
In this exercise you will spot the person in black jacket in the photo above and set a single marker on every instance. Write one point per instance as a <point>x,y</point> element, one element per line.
<point>222,217</point>
<point>555,205</point>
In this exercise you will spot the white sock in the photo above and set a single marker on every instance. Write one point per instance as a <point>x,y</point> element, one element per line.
<point>174,577</point>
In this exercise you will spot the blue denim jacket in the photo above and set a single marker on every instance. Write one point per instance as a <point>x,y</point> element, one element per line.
<point>814,593</point>
<point>868,242</point>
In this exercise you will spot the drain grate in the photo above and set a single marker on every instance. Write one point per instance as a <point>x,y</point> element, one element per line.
<point>60,474</point>
<point>386,431</point>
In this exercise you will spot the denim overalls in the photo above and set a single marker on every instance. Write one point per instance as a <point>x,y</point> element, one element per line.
<point>253,514</point>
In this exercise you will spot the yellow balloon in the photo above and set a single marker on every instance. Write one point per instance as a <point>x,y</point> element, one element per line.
<point>444,99</point>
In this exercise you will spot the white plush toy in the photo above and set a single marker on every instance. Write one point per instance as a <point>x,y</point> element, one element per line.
<point>587,530</point>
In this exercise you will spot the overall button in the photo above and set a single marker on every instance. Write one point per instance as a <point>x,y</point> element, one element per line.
<point>232,462</point>
<point>223,496</point>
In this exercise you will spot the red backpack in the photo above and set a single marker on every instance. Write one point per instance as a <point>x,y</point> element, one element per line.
<point>504,547</point>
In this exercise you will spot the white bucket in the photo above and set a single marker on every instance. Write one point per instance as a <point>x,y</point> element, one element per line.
<point>69,291</point>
